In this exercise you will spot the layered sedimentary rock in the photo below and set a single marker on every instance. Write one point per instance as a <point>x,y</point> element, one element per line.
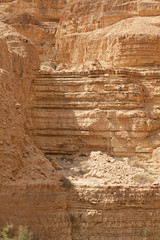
<point>112,213</point>
<point>41,206</point>
<point>116,33</point>
<point>44,10</point>
<point>37,20</point>
<point>29,183</point>
<point>114,110</point>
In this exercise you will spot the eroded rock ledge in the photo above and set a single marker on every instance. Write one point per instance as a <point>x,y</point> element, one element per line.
<point>109,110</point>
<point>114,212</point>
<point>88,212</point>
<point>117,33</point>
<point>112,109</point>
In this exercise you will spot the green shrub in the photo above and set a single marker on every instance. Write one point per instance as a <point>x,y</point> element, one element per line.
<point>66,183</point>
<point>24,234</point>
<point>9,233</point>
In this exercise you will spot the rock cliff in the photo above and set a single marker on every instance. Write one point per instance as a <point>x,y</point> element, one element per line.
<point>116,33</point>
<point>113,213</point>
<point>114,110</point>
<point>17,56</point>
<point>96,118</point>
<point>28,180</point>
<point>37,20</point>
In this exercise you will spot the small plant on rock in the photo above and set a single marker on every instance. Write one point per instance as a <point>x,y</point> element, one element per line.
<point>9,233</point>
<point>66,183</point>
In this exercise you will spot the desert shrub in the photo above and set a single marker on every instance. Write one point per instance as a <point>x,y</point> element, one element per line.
<point>24,234</point>
<point>9,233</point>
<point>72,218</point>
<point>146,233</point>
<point>6,233</point>
<point>66,183</point>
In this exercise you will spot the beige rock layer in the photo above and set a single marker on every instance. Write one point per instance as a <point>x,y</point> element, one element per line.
<point>30,192</point>
<point>47,10</point>
<point>116,33</point>
<point>37,20</point>
<point>19,157</point>
<point>113,213</point>
<point>114,111</point>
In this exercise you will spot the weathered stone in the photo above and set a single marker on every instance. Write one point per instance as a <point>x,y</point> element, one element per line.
<point>109,107</point>
<point>79,117</point>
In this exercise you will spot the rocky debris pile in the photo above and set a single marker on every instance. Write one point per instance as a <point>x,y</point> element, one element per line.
<point>97,168</point>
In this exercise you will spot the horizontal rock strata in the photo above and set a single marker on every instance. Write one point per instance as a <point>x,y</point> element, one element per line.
<point>118,33</point>
<point>114,111</point>
<point>40,206</point>
<point>36,20</point>
<point>115,212</point>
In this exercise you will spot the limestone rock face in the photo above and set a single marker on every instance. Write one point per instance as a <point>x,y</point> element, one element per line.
<point>28,180</point>
<point>111,107</point>
<point>47,10</point>
<point>110,213</point>
<point>19,62</point>
<point>113,111</point>
<point>116,33</point>
<point>37,20</point>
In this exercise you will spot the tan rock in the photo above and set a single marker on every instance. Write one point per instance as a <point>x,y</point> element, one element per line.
<point>113,33</point>
<point>102,107</point>
<point>37,20</point>
<point>81,113</point>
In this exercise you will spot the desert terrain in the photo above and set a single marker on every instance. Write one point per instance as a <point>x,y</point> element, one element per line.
<point>80,118</point>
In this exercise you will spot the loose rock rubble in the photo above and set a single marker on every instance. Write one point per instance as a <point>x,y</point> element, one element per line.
<point>97,168</point>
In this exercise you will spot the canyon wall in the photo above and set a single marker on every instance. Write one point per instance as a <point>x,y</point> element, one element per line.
<point>39,205</point>
<point>30,188</point>
<point>116,111</point>
<point>106,99</point>
<point>90,212</point>
<point>37,20</point>
<point>117,34</point>
<point>99,213</point>
<point>16,55</point>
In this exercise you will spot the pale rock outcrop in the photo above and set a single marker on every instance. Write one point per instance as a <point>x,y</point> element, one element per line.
<point>116,33</point>
<point>114,212</point>
<point>37,20</point>
<point>113,110</point>
<point>28,180</point>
